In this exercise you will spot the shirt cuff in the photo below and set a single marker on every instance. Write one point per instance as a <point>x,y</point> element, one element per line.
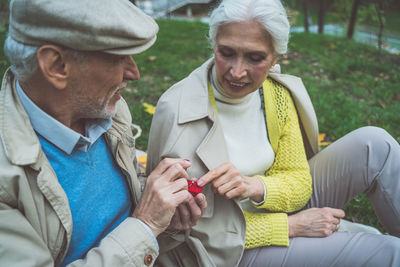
<point>150,232</point>
<point>265,195</point>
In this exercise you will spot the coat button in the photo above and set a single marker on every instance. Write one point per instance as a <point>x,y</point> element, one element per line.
<point>148,259</point>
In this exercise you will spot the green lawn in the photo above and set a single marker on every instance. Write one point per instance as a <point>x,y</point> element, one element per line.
<point>351,85</point>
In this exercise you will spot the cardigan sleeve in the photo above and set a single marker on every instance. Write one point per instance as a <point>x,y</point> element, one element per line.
<point>266,229</point>
<point>288,181</point>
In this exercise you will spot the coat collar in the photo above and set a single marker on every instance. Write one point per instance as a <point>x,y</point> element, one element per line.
<point>194,103</point>
<point>19,139</point>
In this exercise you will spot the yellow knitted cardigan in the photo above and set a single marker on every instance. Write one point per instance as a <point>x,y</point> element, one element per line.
<point>288,181</point>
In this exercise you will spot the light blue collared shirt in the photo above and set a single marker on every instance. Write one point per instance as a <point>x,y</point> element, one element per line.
<point>57,133</point>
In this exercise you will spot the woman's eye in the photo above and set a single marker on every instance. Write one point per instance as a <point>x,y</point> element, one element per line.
<point>256,58</point>
<point>226,53</point>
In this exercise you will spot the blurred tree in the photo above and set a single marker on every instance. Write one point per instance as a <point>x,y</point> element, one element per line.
<point>305,8</point>
<point>353,18</point>
<point>323,8</point>
<point>379,6</point>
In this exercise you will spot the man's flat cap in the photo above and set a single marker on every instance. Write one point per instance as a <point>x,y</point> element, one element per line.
<point>111,26</point>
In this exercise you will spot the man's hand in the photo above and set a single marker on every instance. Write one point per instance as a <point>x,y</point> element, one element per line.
<point>187,214</point>
<point>315,222</point>
<point>165,190</point>
<point>226,180</point>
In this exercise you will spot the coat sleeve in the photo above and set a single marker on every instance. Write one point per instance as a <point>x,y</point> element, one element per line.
<point>288,181</point>
<point>20,244</point>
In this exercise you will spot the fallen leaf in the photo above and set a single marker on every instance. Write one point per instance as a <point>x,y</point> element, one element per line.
<point>151,58</point>
<point>321,141</point>
<point>149,108</point>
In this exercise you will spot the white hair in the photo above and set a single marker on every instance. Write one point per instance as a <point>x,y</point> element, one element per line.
<point>269,13</point>
<point>21,57</point>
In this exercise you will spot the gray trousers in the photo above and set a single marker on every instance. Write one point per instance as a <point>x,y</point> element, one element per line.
<point>365,160</point>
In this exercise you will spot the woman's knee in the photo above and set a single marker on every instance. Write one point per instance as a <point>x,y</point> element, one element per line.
<point>376,141</point>
<point>371,134</point>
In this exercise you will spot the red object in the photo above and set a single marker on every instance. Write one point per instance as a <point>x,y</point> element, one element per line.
<point>193,188</point>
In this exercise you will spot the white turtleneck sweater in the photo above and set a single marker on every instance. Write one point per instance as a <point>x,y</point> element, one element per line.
<point>245,132</point>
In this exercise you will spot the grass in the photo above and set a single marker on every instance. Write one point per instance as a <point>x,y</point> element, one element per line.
<point>351,85</point>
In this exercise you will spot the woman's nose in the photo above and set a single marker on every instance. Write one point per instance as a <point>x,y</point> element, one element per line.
<point>238,70</point>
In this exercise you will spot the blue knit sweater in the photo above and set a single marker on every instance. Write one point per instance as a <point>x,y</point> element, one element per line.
<point>97,191</point>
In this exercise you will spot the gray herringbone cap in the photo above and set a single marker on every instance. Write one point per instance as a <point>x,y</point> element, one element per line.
<point>111,26</point>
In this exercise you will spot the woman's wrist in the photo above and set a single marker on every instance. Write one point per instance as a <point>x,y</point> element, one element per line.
<point>256,189</point>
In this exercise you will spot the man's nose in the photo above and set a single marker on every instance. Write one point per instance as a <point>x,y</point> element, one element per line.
<point>131,70</point>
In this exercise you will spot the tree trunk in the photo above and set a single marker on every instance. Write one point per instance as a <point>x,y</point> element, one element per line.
<point>305,5</point>
<point>353,18</point>
<point>379,12</point>
<point>321,16</point>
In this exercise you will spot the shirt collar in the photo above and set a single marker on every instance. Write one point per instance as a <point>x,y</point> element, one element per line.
<point>57,133</point>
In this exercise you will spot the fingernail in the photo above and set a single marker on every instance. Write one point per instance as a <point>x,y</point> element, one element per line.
<point>187,160</point>
<point>200,182</point>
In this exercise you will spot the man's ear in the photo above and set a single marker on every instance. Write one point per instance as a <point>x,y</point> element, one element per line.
<point>52,63</point>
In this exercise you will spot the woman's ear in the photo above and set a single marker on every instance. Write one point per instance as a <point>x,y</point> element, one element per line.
<point>275,60</point>
<point>53,65</point>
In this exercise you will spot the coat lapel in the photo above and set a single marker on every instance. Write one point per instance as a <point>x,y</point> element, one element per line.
<point>194,105</point>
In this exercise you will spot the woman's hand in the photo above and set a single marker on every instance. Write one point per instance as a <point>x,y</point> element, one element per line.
<point>315,222</point>
<point>226,180</point>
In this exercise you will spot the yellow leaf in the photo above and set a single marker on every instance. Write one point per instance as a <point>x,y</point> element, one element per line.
<point>142,162</point>
<point>151,58</point>
<point>321,141</point>
<point>149,108</point>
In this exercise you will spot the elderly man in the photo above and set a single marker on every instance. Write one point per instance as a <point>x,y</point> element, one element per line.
<point>69,192</point>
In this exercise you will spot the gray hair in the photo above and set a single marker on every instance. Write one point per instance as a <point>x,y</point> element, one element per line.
<point>23,58</point>
<point>269,13</point>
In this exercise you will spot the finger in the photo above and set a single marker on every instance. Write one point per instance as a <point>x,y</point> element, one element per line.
<point>201,201</point>
<point>175,223</point>
<point>212,175</point>
<point>236,192</point>
<point>195,211</point>
<point>338,213</point>
<point>181,197</point>
<point>336,221</point>
<point>227,183</point>
<point>174,172</point>
<point>167,162</point>
<point>173,187</point>
<point>185,216</point>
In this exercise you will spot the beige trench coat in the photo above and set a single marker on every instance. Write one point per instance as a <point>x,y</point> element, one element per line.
<point>35,219</point>
<point>186,126</point>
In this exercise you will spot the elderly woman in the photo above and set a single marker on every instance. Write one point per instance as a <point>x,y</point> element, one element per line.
<point>251,134</point>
